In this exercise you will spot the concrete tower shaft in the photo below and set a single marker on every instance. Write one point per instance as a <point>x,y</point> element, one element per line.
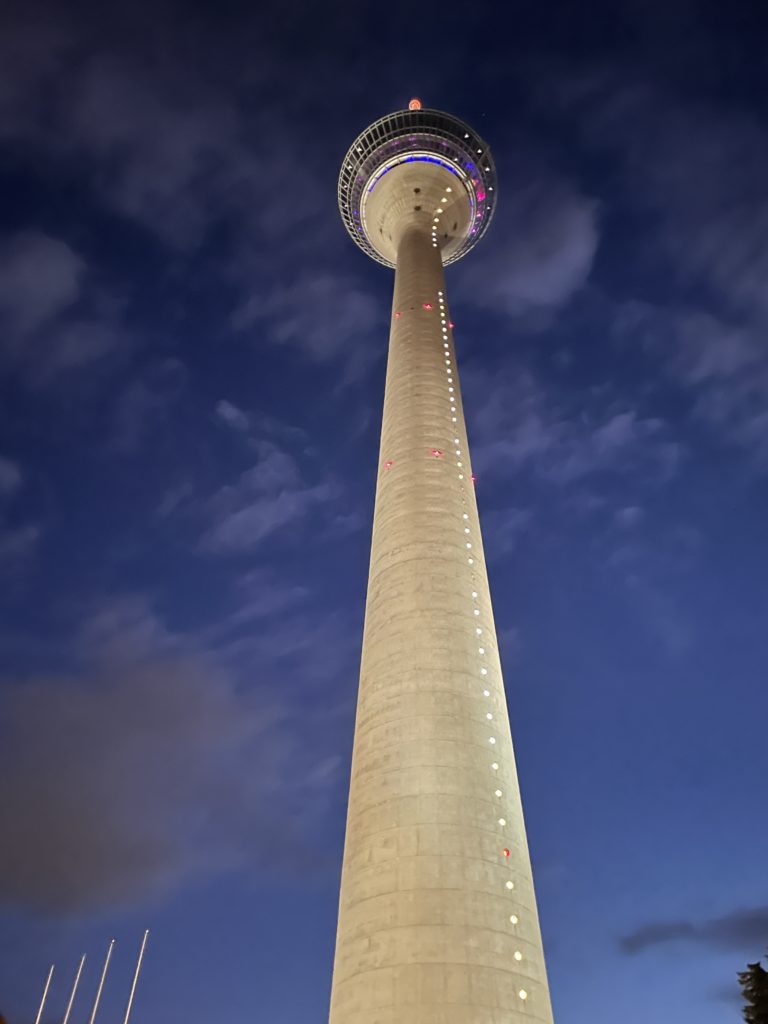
<point>437,913</point>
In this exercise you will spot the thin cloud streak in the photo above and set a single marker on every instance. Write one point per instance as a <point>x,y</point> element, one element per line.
<point>741,930</point>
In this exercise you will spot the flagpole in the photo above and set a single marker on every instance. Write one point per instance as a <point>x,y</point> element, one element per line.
<point>135,977</point>
<point>101,983</point>
<point>45,995</point>
<point>74,990</point>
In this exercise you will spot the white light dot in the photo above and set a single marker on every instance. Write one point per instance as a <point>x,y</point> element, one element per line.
<point>497,792</point>
<point>486,693</point>
<point>502,821</point>
<point>453,419</point>
<point>510,885</point>
<point>481,650</point>
<point>483,671</point>
<point>518,955</point>
<point>491,739</point>
<point>513,918</point>
<point>447,190</point>
<point>474,593</point>
<point>465,515</point>
<point>489,716</point>
<point>435,220</point>
<point>478,631</point>
<point>438,210</point>
<point>466,529</point>
<point>495,766</point>
<point>439,293</point>
<point>456,440</point>
<point>469,544</point>
<point>450,389</point>
<point>471,561</point>
<point>523,994</point>
<point>461,476</point>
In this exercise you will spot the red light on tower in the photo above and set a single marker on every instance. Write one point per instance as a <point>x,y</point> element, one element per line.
<point>427,305</point>
<point>389,464</point>
<point>505,851</point>
<point>415,104</point>
<point>451,324</point>
<point>398,314</point>
<point>437,453</point>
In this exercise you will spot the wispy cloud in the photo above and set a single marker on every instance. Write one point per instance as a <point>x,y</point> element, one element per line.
<point>10,477</point>
<point>18,541</point>
<point>524,424</point>
<point>271,496</point>
<point>722,366</point>
<point>324,315</point>
<point>539,251</point>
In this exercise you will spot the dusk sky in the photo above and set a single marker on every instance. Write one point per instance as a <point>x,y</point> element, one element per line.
<point>192,358</point>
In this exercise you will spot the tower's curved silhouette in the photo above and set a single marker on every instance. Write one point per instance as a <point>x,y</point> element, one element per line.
<point>437,915</point>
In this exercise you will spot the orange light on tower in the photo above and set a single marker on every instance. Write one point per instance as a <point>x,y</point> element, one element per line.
<point>415,104</point>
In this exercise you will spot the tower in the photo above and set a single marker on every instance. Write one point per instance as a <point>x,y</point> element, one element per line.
<point>437,914</point>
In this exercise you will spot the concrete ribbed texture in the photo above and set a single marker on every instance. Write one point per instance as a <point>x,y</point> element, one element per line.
<point>436,924</point>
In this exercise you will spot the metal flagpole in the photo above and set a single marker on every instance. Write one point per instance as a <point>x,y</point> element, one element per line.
<point>45,995</point>
<point>74,989</point>
<point>101,983</point>
<point>135,977</point>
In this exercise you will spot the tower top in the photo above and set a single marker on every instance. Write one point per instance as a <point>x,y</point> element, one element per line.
<point>417,168</point>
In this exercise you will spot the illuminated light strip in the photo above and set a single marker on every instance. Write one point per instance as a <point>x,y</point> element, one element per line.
<point>417,158</point>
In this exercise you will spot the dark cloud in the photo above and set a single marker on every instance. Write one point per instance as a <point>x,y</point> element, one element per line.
<point>40,277</point>
<point>142,771</point>
<point>742,931</point>
<point>145,403</point>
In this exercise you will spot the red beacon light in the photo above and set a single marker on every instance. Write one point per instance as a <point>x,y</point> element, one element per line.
<point>427,305</point>
<point>451,324</point>
<point>473,478</point>
<point>437,453</point>
<point>389,464</point>
<point>398,314</point>
<point>505,851</point>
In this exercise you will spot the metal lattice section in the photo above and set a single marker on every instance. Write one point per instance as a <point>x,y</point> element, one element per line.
<point>449,140</point>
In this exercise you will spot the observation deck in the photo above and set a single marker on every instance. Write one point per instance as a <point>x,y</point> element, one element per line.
<point>417,168</point>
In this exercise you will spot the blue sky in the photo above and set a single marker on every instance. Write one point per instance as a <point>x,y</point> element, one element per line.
<point>192,359</point>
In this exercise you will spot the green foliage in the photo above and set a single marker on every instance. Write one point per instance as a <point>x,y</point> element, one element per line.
<point>754,988</point>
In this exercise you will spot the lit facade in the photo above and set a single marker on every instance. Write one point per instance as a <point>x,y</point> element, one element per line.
<point>437,913</point>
